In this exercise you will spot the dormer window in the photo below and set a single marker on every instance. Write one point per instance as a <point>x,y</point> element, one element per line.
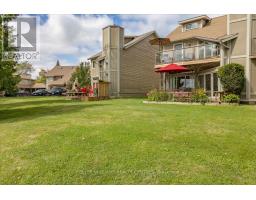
<point>194,23</point>
<point>191,26</point>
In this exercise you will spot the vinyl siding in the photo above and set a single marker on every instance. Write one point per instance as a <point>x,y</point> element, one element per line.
<point>253,79</point>
<point>137,74</point>
<point>239,45</point>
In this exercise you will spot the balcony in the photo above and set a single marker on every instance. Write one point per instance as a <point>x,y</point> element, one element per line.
<point>186,55</point>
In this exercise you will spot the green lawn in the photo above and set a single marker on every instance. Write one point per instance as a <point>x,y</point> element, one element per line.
<point>50,140</point>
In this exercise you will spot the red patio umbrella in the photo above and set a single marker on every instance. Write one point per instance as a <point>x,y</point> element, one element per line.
<point>172,68</point>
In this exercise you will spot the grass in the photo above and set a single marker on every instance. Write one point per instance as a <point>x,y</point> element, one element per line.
<point>50,140</point>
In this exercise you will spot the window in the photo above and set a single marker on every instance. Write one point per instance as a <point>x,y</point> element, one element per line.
<point>215,82</point>
<point>208,50</point>
<point>93,64</point>
<point>101,63</point>
<point>191,26</point>
<point>181,82</point>
<point>208,84</point>
<point>185,82</point>
<point>177,52</point>
<point>201,52</point>
<point>178,46</point>
<point>201,81</point>
<point>190,82</point>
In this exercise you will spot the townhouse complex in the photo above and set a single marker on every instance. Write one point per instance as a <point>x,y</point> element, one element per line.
<point>125,62</point>
<point>202,44</point>
<point>59,76</point>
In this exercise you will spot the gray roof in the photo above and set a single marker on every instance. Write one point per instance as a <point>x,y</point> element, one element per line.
<point>95,55</point>
<point>138,39</point>
<point>228,37</point>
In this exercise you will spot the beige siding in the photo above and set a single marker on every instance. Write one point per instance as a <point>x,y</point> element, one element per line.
<point>105,36</point>
<point>253,45</point>
<point>217,27</point>
<point>94,70</point>
<point>241,61</point>
<point>253,79</point>
<point>113,39</point>
<point>238,45</point>
<point>237,16</point>
<point>137,70</point>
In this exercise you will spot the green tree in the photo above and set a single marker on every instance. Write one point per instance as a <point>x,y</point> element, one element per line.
<point>232,78</point>
<point>8,73</point>
<point>81,75</point>
<point>24,68</point>
<point>41,78</point>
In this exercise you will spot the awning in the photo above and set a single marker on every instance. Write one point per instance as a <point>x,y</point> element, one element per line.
<point>172,68</point>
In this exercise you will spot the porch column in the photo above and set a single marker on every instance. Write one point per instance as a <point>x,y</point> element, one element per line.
<point>164,81</point>
<point>212,84</point>
<point>222,55</point>
<point>248,60</point>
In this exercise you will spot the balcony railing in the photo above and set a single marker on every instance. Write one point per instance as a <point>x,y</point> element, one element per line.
<point>188,54</point>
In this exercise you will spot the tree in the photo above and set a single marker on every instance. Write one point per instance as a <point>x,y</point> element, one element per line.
<point>232,78</point>
<point>24,68</point>
<point>41,78</point>
<point>81,75</point>
<point>8,73</point>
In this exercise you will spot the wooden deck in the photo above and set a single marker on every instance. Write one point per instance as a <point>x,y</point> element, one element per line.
<point>194,62</point>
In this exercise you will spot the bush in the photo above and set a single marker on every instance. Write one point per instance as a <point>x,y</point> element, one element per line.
<point>200,96</point>
<point>231,98</point>
<point>157,95</point>
<point>232,78</point>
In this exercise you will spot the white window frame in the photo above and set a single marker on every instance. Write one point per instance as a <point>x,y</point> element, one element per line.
<point>188,29</point>
<point>182,49</point>
<point>212,81</point>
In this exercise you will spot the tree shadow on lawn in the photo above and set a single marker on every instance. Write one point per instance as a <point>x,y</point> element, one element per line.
<point>29,113</point>
<point>35,102</point>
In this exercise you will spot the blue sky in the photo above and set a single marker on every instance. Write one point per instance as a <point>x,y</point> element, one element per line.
<point>73,38</point>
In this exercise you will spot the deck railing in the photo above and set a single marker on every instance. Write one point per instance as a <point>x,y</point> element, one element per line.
<point>188,54</point>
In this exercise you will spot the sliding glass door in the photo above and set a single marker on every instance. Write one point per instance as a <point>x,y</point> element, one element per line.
<point>209,82</point>
<point>208,85</point>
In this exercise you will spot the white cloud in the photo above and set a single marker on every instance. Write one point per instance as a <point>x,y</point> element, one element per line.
<point>73,38</point>
<point>69,36</point>
<point>162,24</point>
<point>138,24</point>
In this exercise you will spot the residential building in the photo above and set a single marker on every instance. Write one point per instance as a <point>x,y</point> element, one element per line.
<point>38,86</point>
<point>125,62</point>
<point>59,75</point>
<point>203,44</point>
<point>26,83</point>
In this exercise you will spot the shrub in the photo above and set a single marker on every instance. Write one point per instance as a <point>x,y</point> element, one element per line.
<point>231,98</point>
<point>232,78</point>
<point>157,95</point>
<point>200,96</point>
